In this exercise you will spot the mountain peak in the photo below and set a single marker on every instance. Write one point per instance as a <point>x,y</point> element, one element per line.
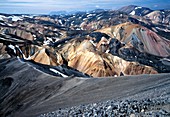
<point>135,10</point>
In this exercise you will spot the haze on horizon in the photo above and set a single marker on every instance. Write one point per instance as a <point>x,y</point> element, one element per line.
<point>45,7</point>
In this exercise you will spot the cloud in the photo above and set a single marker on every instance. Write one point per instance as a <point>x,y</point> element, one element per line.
<point>97,6</point>
<point>155,5</point>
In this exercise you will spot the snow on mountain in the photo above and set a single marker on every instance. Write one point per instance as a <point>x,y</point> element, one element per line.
<point>15,18</point>
<point>2,17</point>
<point>132,13</point>
<point>135,10</point>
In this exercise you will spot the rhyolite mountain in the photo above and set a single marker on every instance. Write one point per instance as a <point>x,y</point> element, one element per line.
<point>113,43</point>
<point>135,10</point>
<point>74,49</point>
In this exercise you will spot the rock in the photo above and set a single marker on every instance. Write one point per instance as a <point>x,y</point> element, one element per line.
<point>132,115</point>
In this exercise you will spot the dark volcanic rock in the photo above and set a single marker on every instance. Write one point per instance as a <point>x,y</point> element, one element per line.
<point>112,108</point>
<point>27,90</point>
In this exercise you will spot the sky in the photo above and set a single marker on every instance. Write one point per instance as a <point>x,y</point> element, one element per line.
<point>47,6</point>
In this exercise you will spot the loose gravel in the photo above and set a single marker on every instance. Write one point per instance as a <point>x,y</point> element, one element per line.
<point>125,108</point>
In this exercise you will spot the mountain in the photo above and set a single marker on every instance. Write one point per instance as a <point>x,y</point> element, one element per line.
<point>26,91</point>
<point>50,62</point>
<point>159,16</point>
<point>69,39</point>
<point>135,10</point>
<point>140,38</point>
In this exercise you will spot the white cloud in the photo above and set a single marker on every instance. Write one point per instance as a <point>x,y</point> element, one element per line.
<point>97,6</point>
<point>155,5</point>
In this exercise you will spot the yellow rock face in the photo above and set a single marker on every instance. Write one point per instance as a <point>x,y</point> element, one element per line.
<point>85,58</point>
<point>46,57</point>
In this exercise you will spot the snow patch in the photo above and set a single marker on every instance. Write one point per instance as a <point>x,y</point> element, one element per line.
<point>114,34</point>
<point>166,59</point>
<point>60,22</point>
<point>138,7</point>
<point>59,45</point>
<point>28,16</point>
<point>132,13</point>
<point>163,20</point>
<point>99,18</point>
<point>72,23</point>
<point>21,52</point>
<point>46,27</point>
<point>15,18</point>
<point>12,47</point>
<point>85,19</point>
<point>151,61</point>
<point>55,71</point>
<point>92,43</point>
<point>46,42</point>
<point>35,37</point>
<point>9,24</point>
<point>2,24</point>
<point>107,51</point>
<point>2,17</point>
<point>90,15</point>
<point>40,32</point>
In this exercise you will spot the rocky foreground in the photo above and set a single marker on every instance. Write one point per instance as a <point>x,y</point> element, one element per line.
<point>27,91</point>
<point>128,108</point>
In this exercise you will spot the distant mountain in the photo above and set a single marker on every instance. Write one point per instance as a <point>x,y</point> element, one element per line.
<point>58,13</point>
<point>135,10</point>
<point>75,12</point>
<point>161,16</point>
<point>97,11</point>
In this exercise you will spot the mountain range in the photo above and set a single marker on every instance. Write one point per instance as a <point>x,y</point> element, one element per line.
<point>76,50</point>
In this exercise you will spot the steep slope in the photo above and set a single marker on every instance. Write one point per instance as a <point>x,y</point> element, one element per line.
<point>141,38</point>
<point>70,40</point>
<point>3,53</point>
<point>159,17</point>
<point>135,10</point>
<point>45,56</point>
<point>88,57</point>
<point>26,91</point>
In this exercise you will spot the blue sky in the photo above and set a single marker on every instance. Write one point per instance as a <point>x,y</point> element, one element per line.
<point>46,6</point>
